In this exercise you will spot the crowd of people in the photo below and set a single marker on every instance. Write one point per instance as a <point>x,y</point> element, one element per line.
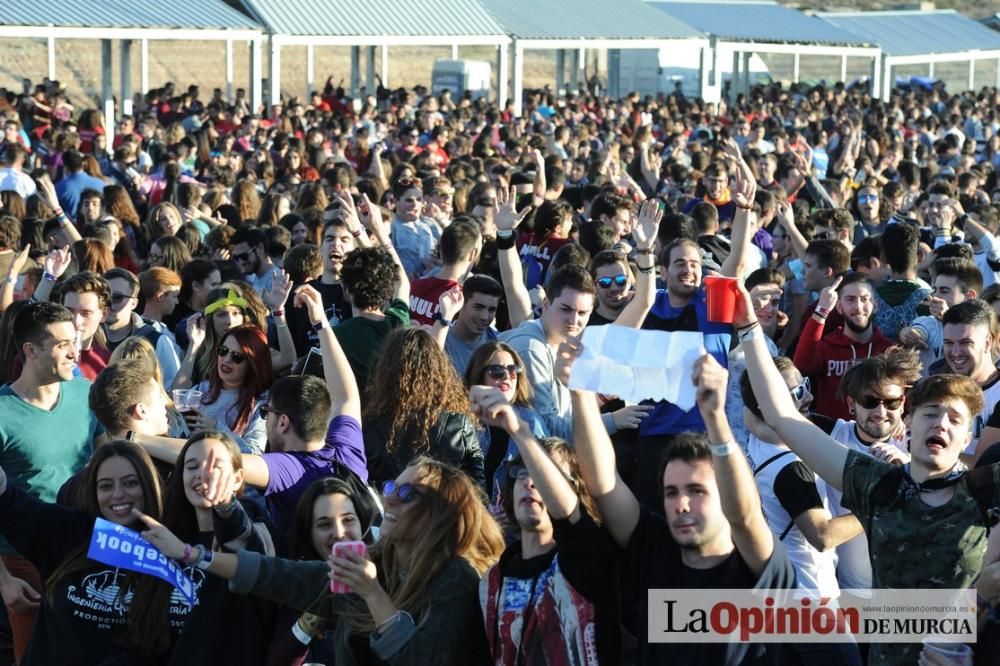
<point>254,336</point>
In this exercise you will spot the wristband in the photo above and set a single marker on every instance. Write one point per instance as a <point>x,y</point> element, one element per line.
<point>205,560</point>
<point>280,312</point>
<point>750,207</point>
<point>356,233</point>
<point>645,271</point>
<point>9,279</point>
<point>438,317</point>
<point>320,325</point>
<point>300,635</point>
<point>822,312</point>
<point>505,242</point>
<point>647,251</point>
<point>752,333</point>
<point>49,276</point>
<point>722,450</point>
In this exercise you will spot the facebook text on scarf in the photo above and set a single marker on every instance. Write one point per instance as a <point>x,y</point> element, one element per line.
<point>802,616</point>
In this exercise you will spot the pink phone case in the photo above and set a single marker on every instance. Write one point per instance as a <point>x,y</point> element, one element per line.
<point>359,548</point>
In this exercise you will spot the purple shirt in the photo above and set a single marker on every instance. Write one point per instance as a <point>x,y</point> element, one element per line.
<point>291,472</point>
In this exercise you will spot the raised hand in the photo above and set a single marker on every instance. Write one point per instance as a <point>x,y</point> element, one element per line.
<point>505,215</point>
<point>565,356</point>
<point>937,306</point>
<point>57,261</point>
<point>195,329</point>
<point>644,233</point>
<point>20,259</point>
<point>710,380</point>
<point>493,409</point>
<point>450,303</point>
<point>310,299</point>
<point>47,192</point>
<point>218,481</point>
<point>277,295</point>
<point>371,217</point>
<point>745,187</point>
<point>828,296</point>
<point>350,212</point>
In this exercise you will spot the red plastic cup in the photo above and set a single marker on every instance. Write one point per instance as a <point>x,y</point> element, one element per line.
<point>721,294</point>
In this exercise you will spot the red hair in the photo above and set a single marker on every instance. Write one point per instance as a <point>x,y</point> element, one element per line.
<point>260,374</point>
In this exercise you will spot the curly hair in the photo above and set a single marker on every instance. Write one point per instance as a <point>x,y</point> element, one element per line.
<point>412,384</point>
<point>370,275</point>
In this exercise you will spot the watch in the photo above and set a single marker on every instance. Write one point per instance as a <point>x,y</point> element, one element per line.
<point>320,325</point>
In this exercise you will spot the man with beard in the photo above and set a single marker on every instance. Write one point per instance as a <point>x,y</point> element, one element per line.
<point>615,286</point>
<point>874,391</point>
<point>970,335</point>
<point>249,251</point>
<point>825,359</point>
<point>682,306</point>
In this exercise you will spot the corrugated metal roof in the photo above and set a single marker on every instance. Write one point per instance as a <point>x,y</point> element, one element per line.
<point>207,14</point>
<point>586,19</point>
<point>403,18</point>
<point>908,33</point>
<point>759,22</point>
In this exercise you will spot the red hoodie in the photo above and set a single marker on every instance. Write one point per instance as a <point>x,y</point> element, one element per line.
<point>826,359</point>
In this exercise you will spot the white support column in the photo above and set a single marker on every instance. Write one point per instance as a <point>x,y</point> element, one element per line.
<point>503,74</point>
<point>144,66</point>
<point>370,71</point>
<point>125,75</point>
<point>997,82</point>
<point>576,62</point>
<point>454,52</point>
<point>355,70</point>
<point>887,82</point>
<point>745,72</point>
<point>560,70</point>
<point>734,80</point>
<point>310,71</point>
<point>518,74</point>
<point>52,58</point>
<point>384,65</point>
<point>274,76</point>
<point>930,70</point>
<point>107,92</point>
<point>843,69</point>
<point>704,70</point>
<point>229,69</point>
<point>972,74</point>
<point>256,75</point>
<point>795,67</point>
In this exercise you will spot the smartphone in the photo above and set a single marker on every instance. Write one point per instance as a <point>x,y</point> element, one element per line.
<point>338,550</point>
<point>861,177</point>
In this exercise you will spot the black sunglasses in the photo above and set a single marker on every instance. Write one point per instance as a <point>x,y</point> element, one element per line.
<point>118,298</point>
<point>242,256</point>
<point>267,410</point>
<point>503,371</point>
<point>238,357</point>
<point>872,401</point>
<point>605,282</point>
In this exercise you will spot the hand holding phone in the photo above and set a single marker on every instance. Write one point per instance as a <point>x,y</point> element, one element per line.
<point>339,549</point>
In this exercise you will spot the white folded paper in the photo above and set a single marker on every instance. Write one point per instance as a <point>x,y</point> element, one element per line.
<point>638,365</point>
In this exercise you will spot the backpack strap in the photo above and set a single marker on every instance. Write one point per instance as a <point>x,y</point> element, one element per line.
<point>788,529</point>
<point>769,461</point>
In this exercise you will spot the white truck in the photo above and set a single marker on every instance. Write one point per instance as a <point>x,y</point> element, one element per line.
<point>657,71</point>
<point>461,75</point>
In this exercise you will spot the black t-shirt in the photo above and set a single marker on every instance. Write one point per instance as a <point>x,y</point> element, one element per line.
<point>795,488</point>
<point>597,319</point>
<point>337,310</point>
<point>652,560</point>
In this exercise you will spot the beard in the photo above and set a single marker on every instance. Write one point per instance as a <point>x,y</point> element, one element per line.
<point>858,329</point>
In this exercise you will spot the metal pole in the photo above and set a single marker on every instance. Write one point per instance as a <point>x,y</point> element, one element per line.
<point>843,69</point>
<point>355,69</point>
<point>560,70</point>
<point>795,67</point>
<point>310,73</point>
<point>518,78</point>
<point>370,70</point>
<point>274,96</point>
<point>52,58</point>
<point>385,65</point>
<point>144,65</point>
<point>125,75</point>
<point>107,93</point>
<point>256,75</point>
<point>229,69</point>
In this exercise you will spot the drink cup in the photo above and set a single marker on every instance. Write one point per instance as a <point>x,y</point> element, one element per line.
<point>958,654</point>
<point>721,294</point>
<point>187,400</point>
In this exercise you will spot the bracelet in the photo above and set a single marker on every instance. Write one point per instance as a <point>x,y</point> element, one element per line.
<point>356,233</point>
<point>722,450</point>
<point>438,317</point>
<point>187,553</point>
<point>750,334</point>
<point>647,251</point>
<point>822,312</point>
<point>747,327</point>
<point>750,207</point>
<point>201,554</point>
<point>320,325</point>
<point>647,270</point>
<point>280,312</point>
<point>505,242</point>
<point>206,559</point>
<point>49,276</point>
<point>300,634</point>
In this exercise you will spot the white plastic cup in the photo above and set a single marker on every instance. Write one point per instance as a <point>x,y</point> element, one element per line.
<point>186,400</point>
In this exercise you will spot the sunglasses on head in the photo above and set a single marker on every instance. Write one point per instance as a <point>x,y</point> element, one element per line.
<point>237,357</point>
<point>606,282</point>
<point>873,401</point>
<point>404,492</point>
<point>410,182</point>
<point>503,371</point>
<point>799,392</point>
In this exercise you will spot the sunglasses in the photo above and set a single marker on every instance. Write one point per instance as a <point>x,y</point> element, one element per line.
<point>605,282</point>
<point>867,198</point>
<point>243,256</point>
<point>504,371</point>
<point>267,410</point>
<point>872,401</point>
<point>404,492</point>
<point>155,257</point>
<point>118,298</point>
<point>410,182</point>
<point>799,392</point>
<point>238,357</point>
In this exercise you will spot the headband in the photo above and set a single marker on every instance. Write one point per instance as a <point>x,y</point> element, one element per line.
<point>232,298</point>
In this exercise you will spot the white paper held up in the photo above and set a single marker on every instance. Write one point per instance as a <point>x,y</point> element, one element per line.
<point>638,365</point>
